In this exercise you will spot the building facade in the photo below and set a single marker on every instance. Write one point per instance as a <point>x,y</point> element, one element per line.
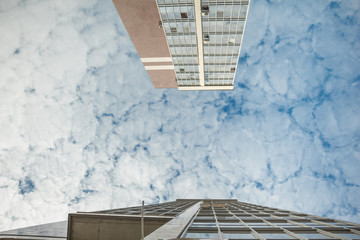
<point>187,44</point>
<point>191,219</point>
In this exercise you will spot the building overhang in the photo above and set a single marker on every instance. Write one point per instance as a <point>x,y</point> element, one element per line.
<point>201,88</point>
<point>94,226</point>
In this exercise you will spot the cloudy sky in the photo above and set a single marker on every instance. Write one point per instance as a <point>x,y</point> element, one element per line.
<point>82,127</point>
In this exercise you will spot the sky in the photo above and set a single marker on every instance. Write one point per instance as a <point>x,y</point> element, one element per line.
<point>83,128</point>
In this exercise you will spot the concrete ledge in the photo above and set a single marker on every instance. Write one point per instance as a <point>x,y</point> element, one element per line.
<point>198,88</point>
<point>93,226</point>
<point>174,228</point>
<point>13,237</point>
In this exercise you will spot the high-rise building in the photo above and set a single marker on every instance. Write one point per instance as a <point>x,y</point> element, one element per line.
<point>187,44</point>
<point>191,219</point>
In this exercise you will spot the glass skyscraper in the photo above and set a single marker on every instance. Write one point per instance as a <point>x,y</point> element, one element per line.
<point>188,44</point>
<point>191,219</point>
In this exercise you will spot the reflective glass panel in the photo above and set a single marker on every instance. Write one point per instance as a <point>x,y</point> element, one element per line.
<point>312,236</point>
<point>201,235</point>
<point>275,236</point>
<point>238,235</point>
<point>348,235</point>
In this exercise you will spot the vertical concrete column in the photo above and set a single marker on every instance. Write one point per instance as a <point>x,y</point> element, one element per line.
<point>174,227</point>
<point>199,39</point>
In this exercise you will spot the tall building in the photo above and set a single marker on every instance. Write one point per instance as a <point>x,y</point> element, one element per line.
<point>187,44</point>
<point>191,219</point>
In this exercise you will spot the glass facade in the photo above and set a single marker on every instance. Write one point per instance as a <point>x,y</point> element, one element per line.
<point>162,209</point>
<point>222,30</point>
<point>210,219</point>
<point>223,26</point>
<point>179,25</point>
<point>236,220</point>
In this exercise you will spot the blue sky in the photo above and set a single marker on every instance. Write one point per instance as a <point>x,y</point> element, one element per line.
<point>82,127</point>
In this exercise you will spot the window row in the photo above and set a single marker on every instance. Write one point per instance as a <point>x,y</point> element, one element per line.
<point>222,50</point>
<point>184,60</point>
<point>192,51</point>
<point>220,76</point>
<point>174,2</point>
<point>179,27</point>
<point>179,69</point>
<point>220,68</point>
<point>221,38</point>
<point>214,234</point>
<point>181,40</point>
<point>218,39</point>
<point>188,82</point>
<point>223,26</point>
<point>220,60</point>
<point>224,11</point>
<point>221,82</point>
<point>187,76</point>
<point>176,12</point>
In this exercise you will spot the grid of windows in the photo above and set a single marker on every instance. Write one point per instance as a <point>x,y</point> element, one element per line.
<point>223,25</point>
<point>179,26</point>
<point>162,209</point>
<point>222,29</point>
<point>236,220</point>
<point>225,219</point>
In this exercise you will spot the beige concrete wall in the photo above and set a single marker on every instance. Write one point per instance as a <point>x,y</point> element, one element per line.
<point>141,19</point>
<point>105,227</point>
<point>161,78</point>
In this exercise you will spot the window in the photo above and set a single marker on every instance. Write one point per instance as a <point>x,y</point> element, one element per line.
<point>182,70</point>
<point>201,235</point>
<point>262,215</point>
<point>281,223</point>
<point>312,235</point>
<point>206,39</point>
<point>243,11</point>
<point>233,70</point>
<point>184,15</point>
<point>276,236</point>
<point>343,225</point>
<point>204,218</point>
<point>348,235</point>
<point>235,235</point>
<point>232,40</point>
<point>205,224</point>
<point>173,30</point>
<point>316,225</point>
<point>220,14</point>
<point>205,10</point>
<point>222,220</point>
<point>230,223</point>
<point>289,226</point>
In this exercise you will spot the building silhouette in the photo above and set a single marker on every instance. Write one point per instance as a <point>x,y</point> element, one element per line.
<point>191,219</point>
<point>187,44</point>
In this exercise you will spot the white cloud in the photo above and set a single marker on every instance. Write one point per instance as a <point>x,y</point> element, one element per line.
<point>80,119</point>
